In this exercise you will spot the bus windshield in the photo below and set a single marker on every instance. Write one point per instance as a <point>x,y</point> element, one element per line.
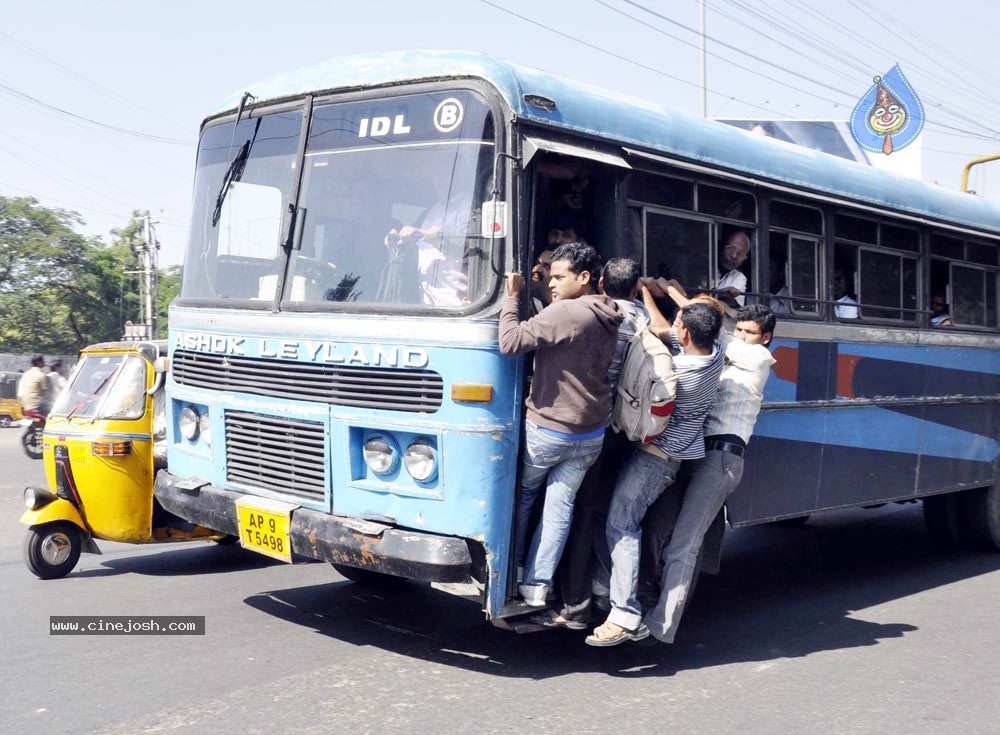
<point>388,206</point>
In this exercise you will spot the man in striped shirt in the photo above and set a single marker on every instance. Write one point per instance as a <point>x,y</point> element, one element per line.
<point>715,476</point>
<point>653,467</point>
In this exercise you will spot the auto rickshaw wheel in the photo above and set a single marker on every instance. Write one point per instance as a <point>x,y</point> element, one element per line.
<point>52,550</point>
<point>4,421</point>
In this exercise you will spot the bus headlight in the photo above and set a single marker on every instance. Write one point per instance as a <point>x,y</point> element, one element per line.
<point>187,423</point>
<point>381,454</point>
<point>205,428</point>
<point>421,460</point>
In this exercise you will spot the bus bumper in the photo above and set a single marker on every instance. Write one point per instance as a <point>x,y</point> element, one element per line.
<point>353,542</point>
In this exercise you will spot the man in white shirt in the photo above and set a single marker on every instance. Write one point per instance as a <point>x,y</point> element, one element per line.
<point>715,476</point>
<point>846,307</point>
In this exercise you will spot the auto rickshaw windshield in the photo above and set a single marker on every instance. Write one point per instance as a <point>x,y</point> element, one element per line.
<point>105,387</point>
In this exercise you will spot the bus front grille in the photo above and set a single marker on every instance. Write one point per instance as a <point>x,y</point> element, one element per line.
<point>282,455</point>
<point>413,391</point>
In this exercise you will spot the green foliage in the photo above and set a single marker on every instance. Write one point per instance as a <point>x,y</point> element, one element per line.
<point>168,287</point>
<point>60,291</point>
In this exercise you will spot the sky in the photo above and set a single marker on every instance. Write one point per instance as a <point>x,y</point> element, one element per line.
<point>102,100</point>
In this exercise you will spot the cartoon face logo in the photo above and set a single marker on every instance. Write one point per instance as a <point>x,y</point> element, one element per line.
<point>889,115</point>
<point>887,118</point>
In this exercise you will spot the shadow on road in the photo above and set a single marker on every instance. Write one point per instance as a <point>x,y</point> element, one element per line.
<point>783,593</point>
<point>175,560</point>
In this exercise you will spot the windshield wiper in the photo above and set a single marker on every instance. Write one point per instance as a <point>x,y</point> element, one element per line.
<point>238,162</point>
<point>234,174</point>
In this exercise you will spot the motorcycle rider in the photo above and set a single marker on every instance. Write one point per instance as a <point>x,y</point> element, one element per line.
<point>35,389</point>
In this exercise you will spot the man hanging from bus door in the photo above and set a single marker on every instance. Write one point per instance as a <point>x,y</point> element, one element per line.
<point>651,468</point>
<point>714,477</point>
<point>569,402</point>
<point>619,281</point>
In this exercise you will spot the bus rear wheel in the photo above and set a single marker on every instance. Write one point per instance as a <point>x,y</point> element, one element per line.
<point>979,518</point>
<point>367,577</point>
<point>970,519</point>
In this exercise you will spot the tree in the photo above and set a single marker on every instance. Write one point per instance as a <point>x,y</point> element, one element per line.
<point>59,290</point>
<point>168,288</point>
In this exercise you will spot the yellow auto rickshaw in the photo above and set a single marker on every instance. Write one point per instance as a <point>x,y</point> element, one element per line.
<point>10,405</point>
<point>103,442</point>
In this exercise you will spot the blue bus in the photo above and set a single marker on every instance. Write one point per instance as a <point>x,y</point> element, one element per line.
<point>336,390</point>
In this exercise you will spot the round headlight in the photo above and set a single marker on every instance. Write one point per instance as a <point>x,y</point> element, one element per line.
<point>36,497</point>
<point>420,460</point>
<point>205,428</point>
<point>187,422</point>
<point>381,455</point>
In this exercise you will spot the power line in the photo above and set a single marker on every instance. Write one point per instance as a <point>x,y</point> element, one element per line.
<point>769,63</point>
<point>18,94</point>
<point>87,81</point>
<point>76,168</point>
<point>34,195</point>
<point>595,47</point>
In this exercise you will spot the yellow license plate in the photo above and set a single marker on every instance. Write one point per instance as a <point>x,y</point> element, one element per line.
<point>264,526</point>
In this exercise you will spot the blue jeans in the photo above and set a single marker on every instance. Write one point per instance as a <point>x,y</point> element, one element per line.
<point>714,478</point>
<point>563,463</point>
<point>643,478</point>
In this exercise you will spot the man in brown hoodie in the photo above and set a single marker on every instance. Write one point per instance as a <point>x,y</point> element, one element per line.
<point>574,340</point>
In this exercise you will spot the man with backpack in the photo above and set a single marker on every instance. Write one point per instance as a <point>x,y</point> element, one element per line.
<point>652,467</point>
<point>567,409</point>
<point>619,281</point>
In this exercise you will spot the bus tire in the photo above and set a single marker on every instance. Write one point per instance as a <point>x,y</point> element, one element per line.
<point>940,520</point>
<point>52,550</point>
<point>367,577</point>
<point>979,518</point>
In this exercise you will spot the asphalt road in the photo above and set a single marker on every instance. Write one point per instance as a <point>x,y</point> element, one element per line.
<point>850,624</point>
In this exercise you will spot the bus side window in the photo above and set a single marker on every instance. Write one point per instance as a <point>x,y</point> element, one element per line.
<point>793,274</point>
<point>795,261</point>
<point>964,278</point>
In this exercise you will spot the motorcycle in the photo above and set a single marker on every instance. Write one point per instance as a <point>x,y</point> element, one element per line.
<point>31,439</point>
<point>104,440</point>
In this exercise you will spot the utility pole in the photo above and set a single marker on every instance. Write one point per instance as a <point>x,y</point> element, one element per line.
<point>704,70</point>
<point>146,250</point>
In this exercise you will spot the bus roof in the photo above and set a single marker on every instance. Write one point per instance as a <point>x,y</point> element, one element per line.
<point>627,121</point>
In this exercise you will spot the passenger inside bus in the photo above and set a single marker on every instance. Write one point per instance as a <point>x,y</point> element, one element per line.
<point>780,302</point>
<point>940,313</point>
<point>847,305</point>
<point>731,280</point>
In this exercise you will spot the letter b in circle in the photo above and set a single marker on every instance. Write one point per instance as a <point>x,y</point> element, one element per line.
<point>448,115</point>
